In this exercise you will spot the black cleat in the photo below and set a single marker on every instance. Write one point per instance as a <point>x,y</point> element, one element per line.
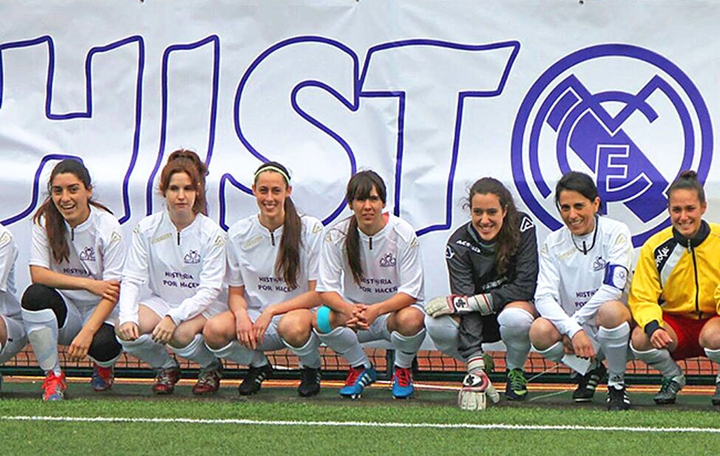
<point>587,384</point>
<point>254,378</point>
<point>309,382</point>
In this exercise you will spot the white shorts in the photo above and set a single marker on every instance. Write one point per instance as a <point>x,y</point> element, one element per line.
<point>16,337</point>
<point>162,307</point>
<point>76,318</point>
<point>272,340</point>
<point>378,329</point>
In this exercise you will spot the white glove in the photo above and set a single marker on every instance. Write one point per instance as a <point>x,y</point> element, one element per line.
<point>458,304</point>
<point>475,388</point>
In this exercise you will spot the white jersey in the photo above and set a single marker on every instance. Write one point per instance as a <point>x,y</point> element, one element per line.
<point>97,252</point>
<point>572,285</point>
<point>184,268</point>
<point>9,304</point>
<point>390,259</point>
<point>252,252</point>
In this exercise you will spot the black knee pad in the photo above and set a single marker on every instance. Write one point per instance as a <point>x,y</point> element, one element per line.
<point>104,346</point>
<point>40,297</point>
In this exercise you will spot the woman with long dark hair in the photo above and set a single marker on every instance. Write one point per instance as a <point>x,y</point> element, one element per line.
<point>371,282</point>
<point>272,269</point>
<point>493,266</point>
<point>76,263</point>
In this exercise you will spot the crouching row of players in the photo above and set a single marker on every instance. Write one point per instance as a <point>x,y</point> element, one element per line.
<point>367,272</point>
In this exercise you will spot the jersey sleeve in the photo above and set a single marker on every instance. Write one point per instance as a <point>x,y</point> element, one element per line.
<point>113,255</point>
<point>547,295</point>
<point>233,272</point>
<point>39,247</point>
<point>617,271</point>
<point>211,280</point>
<point>522,286</point>
<point>645,290</point>
<point>411,275</point>
<point>331,266</point>
<point>460,269</point>
<point>313,245</point>
<point>135,273</point>
<point>8,254</point>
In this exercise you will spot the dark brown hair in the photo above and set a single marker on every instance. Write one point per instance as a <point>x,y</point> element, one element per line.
<point>508,239</point>
<point>188,162</point>
<point>55,227</point>
<point>360,187</point>
<point>288,259</point>
<point>688,180</point>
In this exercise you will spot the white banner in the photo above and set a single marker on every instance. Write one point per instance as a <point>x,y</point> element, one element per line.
<point>430,94</point>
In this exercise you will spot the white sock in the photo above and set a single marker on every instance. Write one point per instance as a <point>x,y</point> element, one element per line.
<point>614,343</point>
<point>553,353</point>
<point>308,354</point>
<point>406,347</point>
<point>662,361</point>
<point>42,329</point>
<point>345,343</point>
<point>152,353</point>
<point>443,332</point>
<point>196,351</point>
<point>714,356</point>
<point>515,332</point>
<point>234,352</point>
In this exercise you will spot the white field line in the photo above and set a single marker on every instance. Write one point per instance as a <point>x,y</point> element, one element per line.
<point>371,424</point>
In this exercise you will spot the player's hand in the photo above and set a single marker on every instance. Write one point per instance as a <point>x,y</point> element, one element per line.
<point>261,325</point>
<point>105,289</point>
<point>582,346</point>
<point>163,332</point>
<point>244,331</point>
<point>660,339</point>
<point>129,331</point>
<point>458,304</point>
<point>366,315</point>
<point>476,389</point>
<point>352,319</point>
<point>80,345</point>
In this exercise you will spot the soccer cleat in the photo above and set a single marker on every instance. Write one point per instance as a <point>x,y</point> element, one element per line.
<point>208,380</point>
<point>617,399</point>
<point>668,391</point>
<point>588,382</point>
<point>309,382</point>
<point>715,397</point>
<point>102,378</point>
<point>358,378</point>
<point>254,378</point>
<point>516,386</point>
<point>165,380</point>
<point>402,383</point>
<point>54,387</point>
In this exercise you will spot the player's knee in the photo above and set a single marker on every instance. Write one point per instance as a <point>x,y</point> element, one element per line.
<point>612,314</point>
<point>409,321</point>
<point>183,335</point>
<point>104,346</point>
<point>216,333</point>
<point>543,334</point>
<point>295,327</point>
<point>639,340</point>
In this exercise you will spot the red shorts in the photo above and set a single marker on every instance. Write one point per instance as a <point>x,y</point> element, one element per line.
<point>688,334</point>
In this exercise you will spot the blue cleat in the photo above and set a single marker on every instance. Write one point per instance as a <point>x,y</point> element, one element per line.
<point>402,383</point>
<point>102,378</point>
<point>358,378</point>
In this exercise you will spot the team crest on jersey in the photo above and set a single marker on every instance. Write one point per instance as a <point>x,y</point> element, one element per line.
<point>526,224</point>
<point>388,261</point>
<point>192,257</point>
<point>449,252</point>
<point>87,254</point>
<point>599,264</point>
